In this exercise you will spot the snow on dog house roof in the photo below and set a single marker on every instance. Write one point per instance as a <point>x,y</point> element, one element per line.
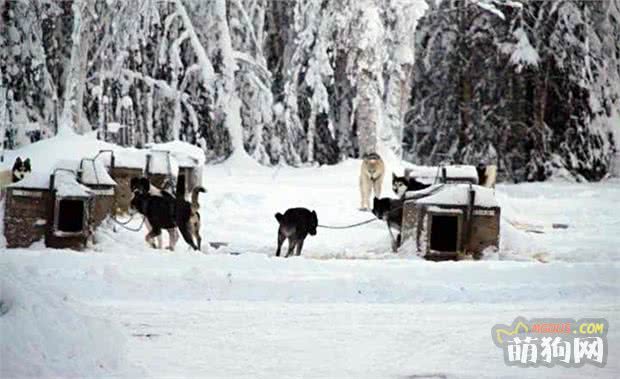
<point>66,185</point>
<point>162,162</point>
<point>45,154</point>
<point>187,155</point>
<point>452,171</point>
<point>126,158</point>
<point>458,195</point>
<point>34,180</point>
<point>93,173</point>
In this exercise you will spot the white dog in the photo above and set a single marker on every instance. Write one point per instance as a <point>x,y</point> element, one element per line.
<point>371,178</point>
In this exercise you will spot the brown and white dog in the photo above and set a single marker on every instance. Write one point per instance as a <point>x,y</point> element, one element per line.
<point>371,178</point>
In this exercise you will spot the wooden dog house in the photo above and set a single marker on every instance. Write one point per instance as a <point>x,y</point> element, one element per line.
<point>60,207</point>
<point>71,211</point>
<point>162,169</point>
<point>122,168</point>
<point>93,174</point>
<point>191,170</point>
<point>28,209</point>
<point>451,220</point>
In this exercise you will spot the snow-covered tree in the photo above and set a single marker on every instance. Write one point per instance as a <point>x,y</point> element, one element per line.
<point>513,83</point>
<point>532,86</point>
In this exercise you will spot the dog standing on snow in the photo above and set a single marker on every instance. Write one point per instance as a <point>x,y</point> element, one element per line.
<point>162,210</point>
<point>390,211</point>
<point>371,178</point>
<point>295,224</point>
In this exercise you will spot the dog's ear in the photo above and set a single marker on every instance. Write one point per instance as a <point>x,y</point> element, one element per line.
<point>27,164</point>
<point>314,215</point>
<point>18,162</point>
<point>279,217</point>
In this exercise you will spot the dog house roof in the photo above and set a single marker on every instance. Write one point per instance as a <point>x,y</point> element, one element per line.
<point>162,162</point>
<point>126,158</point>
<point>458,195</point>
<point>66,185</point>
<point>186,154</point>
<point>409,195</point>
<point>452,171</point>
<point>34,180</point>
<point>92,174</point>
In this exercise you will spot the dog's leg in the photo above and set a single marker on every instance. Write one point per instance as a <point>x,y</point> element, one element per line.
<point>377,184</point>
<point>300,245</point>
<point>198,238</point>
<point>280,242</point>
<point>149,229</point>
<point>196,229</point>
<point>291,247</point>
<point>150,240</point>
<point>173,238</point>
<point>150,237</point>
<point>364,190</point>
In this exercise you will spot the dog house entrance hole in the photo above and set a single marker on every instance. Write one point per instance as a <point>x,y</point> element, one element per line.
<point>70,216</point>
<point>444,233</point>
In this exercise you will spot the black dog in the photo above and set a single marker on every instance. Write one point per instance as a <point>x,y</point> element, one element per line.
<point>20,169</point>
<point>164,211</point>
<point>390,211</point>
<point>402,184</point>
<point>159,214</point>
<point>295,224</point>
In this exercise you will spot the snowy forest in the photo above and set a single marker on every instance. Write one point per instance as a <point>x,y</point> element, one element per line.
<point>532,86</point>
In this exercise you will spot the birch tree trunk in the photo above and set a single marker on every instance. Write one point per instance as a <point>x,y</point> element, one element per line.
<point>366,113</point>
<point>368,67</point>
<point>3,118</point>
<point>82,124</point>
<point>67,120</point>
<point>229,103</point>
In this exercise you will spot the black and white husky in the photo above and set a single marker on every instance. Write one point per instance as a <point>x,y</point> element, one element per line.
<point>402,184</point>
<point>18,172</point>
<point>21,169</point>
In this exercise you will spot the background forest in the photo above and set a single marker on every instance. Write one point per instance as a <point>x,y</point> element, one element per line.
<point>533,86</point>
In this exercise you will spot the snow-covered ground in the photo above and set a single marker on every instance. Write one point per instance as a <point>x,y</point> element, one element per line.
<point>347,308</point>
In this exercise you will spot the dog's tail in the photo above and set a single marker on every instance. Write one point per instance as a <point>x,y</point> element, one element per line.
<point>279,217</point>
<point>195,192</point>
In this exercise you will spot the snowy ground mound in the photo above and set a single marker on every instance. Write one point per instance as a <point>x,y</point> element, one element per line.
<point>44,335</point>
